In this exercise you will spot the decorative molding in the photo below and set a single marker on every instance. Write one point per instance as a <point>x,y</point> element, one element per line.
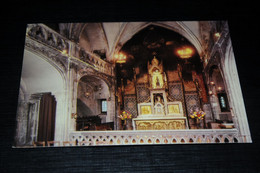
<point>51,54</point>
<point>144,137</point>
<point>62,48</point>
<point>164,124</point>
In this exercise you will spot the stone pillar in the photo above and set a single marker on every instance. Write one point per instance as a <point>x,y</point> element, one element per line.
<point>207,110</point>
<point>61,127</point>
<point>111,107</point>
<point>22,122</point>
<point>234,94</point>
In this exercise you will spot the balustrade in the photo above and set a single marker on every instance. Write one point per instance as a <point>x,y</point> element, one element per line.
<point>43,34</point>
<point>140,137</point>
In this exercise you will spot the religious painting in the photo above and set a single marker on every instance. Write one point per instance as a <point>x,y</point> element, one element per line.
<point>129,83</point>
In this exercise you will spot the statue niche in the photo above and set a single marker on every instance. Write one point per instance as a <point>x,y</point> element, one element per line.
<point>156,75</point>
<point>159,107</point>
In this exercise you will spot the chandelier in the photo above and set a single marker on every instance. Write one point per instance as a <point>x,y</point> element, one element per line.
<point>185,52</point>
<point>120,58</point>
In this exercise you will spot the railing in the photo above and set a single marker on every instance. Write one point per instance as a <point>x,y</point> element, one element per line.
<point>140,137</point>
<point>43,34</point>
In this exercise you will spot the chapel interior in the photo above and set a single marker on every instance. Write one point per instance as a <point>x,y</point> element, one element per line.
<point>80,77</point>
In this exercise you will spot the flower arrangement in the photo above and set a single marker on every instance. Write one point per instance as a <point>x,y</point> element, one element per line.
<point>198,115</point>
<point>125,115</point>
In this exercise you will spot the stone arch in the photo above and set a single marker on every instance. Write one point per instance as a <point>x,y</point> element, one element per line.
<point>178,27</point>
<point>216,75</point>
<point>215,61</point>
<point>217,140</point>
<point>219,94</point>
<point>218,59</point>
<point>42,75</point>
<point>91,90</point>
<point>92,72</point>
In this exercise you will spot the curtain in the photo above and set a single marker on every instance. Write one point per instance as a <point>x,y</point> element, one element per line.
<point>46,127</point>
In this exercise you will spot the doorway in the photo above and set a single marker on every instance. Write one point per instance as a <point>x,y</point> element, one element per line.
<point>47,113</point>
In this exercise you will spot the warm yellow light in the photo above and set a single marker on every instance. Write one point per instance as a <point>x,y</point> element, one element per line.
<point>217,34</point>
<point>87,94</point>
<point>120,58</point>
<point>185,52</point>
<point>64,52</point>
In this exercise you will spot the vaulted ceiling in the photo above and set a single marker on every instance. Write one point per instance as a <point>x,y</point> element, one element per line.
<point>106,38</point>
<point>140,41</point>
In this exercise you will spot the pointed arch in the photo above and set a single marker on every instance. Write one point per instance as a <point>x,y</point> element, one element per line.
<point>132,28</point>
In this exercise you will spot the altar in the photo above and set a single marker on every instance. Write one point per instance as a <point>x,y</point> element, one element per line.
<point>159,116</point>
<point>159,123</point>
<point>159,112</point>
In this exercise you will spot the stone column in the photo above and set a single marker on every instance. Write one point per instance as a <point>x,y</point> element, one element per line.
<point>235,95</point>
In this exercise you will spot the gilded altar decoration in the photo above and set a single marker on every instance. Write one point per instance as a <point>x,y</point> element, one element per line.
<point>159,105</point>
<point>170,124</point>
<point>159,112</point>
<point>146,110</point>
<point>173,109</point>
<point>158,78</point>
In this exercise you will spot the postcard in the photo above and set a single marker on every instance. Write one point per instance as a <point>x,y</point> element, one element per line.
<point>129,83</point>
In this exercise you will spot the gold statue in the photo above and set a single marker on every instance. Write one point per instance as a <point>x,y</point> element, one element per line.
<point>157,79</point>
<point>157,76</point>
